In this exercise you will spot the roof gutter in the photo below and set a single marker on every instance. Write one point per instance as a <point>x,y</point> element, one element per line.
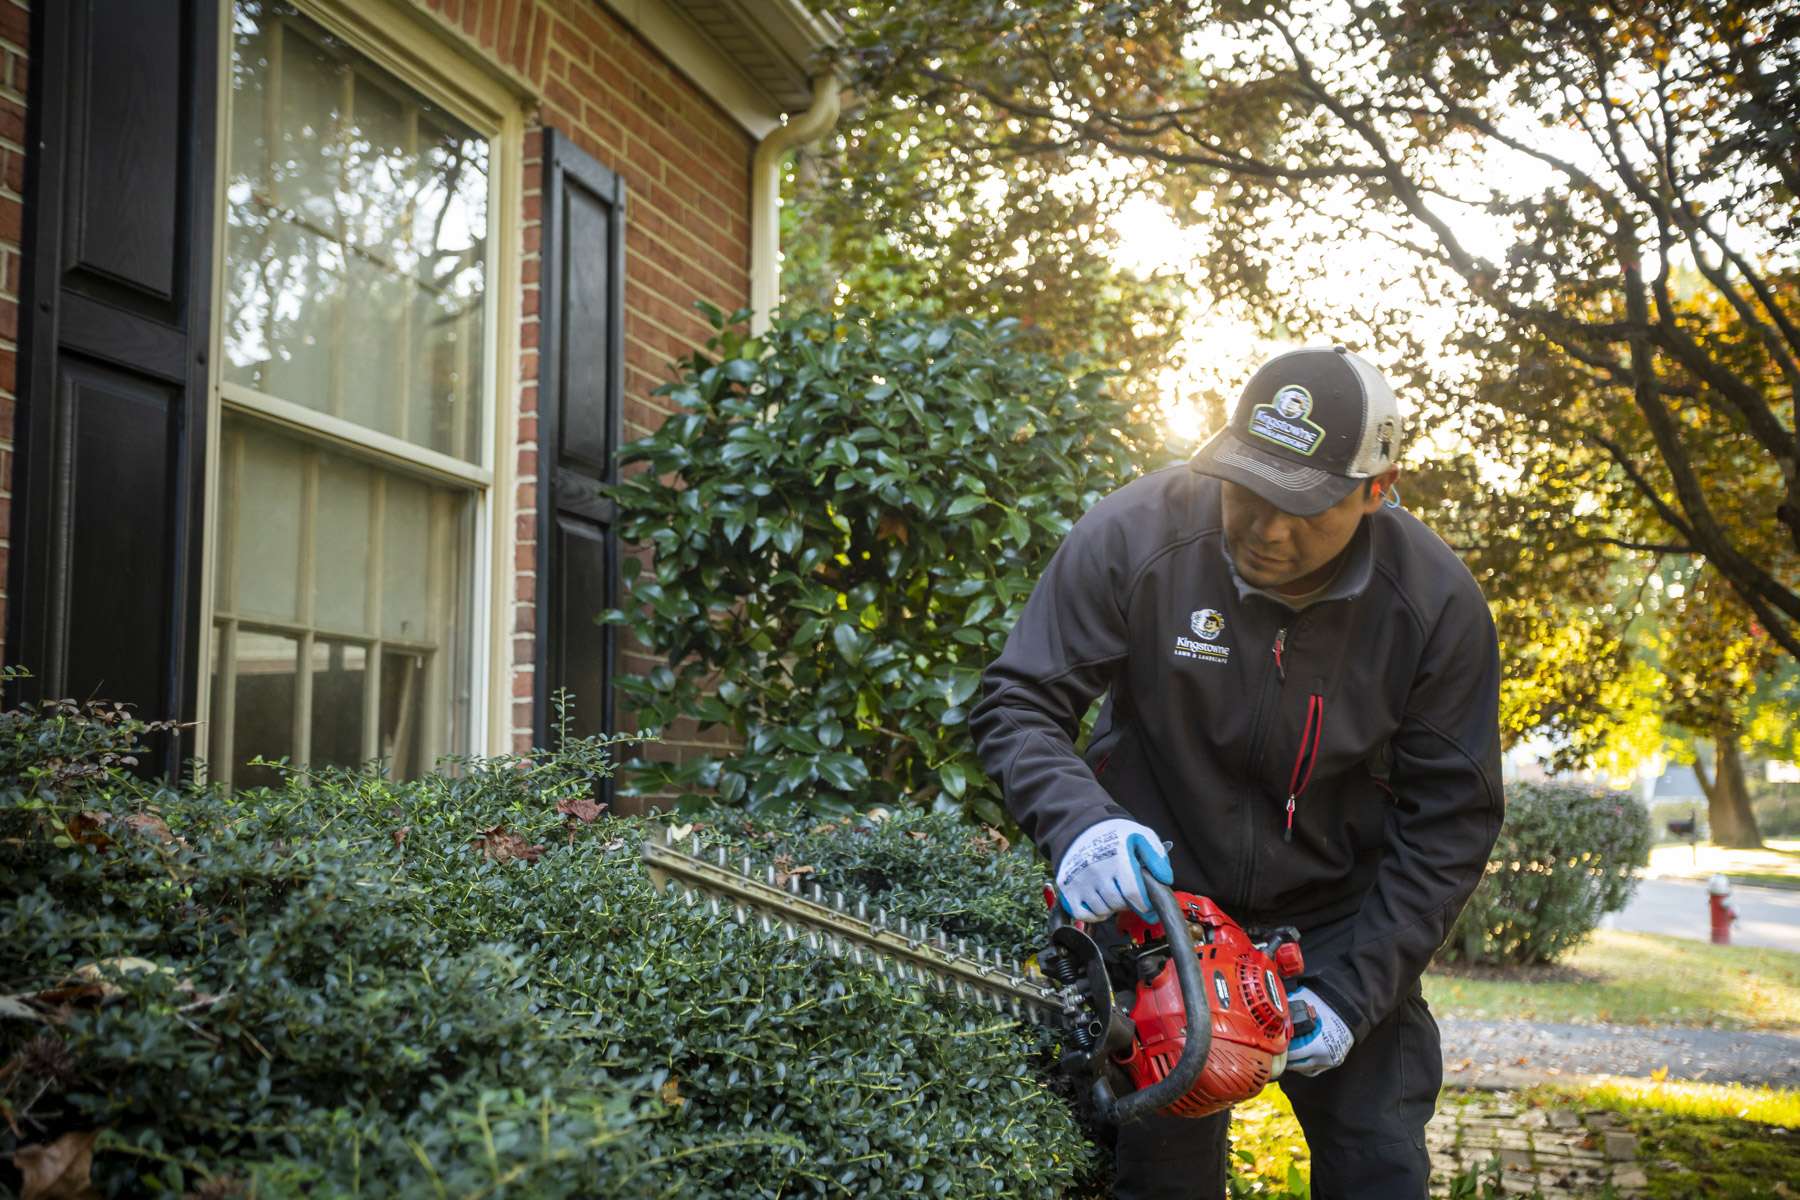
<point>765,195</point>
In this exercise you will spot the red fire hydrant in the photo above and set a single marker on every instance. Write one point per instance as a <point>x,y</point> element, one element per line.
<point>1717,889</point>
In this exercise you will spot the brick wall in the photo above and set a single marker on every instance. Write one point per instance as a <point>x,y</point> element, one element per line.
<point>686,167</point>
<point>15,37</point>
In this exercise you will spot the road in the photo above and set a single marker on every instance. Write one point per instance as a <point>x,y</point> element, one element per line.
<point>1677,907</point>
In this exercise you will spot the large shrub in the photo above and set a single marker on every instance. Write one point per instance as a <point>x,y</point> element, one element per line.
<point>843,519</point>
<point>465,986</point>
<point>1567,855</point>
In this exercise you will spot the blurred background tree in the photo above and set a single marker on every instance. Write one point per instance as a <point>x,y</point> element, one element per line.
<point>1567,233</point>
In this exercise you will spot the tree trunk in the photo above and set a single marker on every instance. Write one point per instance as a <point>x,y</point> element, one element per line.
<point>1728,797</point>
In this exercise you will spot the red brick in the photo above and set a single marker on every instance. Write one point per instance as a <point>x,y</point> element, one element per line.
<point>15,23</point>
<point>528,335</point>
<point>532,239</point>
<point>522,684</point>
<point>509,19</point>
<point>530,268</point>
<point>540,41</point>
<point>524,619</point>
<point>490,25</point>
<point>525,587</point>
<point>528,303</point>
<point>528,428</point>
<point>528,461</point>
<point>525,557</point>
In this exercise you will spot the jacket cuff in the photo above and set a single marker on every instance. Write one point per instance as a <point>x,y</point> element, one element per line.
<point>1350,1013</point>
<point>1059,842</point>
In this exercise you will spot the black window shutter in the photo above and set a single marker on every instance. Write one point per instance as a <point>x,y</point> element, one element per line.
<point>105,576</point>
<point>580,378</point>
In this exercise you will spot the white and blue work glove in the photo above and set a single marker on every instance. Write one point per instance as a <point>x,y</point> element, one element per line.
<point>1103,870</point>
<point>1328,1043</point>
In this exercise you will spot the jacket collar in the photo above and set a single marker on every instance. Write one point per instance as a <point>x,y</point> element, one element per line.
<point>1351,581</point>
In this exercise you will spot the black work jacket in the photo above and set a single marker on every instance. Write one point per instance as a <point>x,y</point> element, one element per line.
<point>1379,717</point>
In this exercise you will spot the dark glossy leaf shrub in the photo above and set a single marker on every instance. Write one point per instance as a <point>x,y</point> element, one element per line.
<point>461,987</point>
<point>1566,857</point>
<point>843,519</point>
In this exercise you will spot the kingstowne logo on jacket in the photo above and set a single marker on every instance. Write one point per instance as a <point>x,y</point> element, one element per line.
<point>1207,624</point>
<point>1286,421</point>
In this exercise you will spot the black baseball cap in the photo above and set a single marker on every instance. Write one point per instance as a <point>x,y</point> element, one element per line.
<point>1311,425</point>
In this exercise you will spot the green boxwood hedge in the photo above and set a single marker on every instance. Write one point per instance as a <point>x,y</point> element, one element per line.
<point>465,986</point>
<point>842,520</point>
<point>1566,856</point>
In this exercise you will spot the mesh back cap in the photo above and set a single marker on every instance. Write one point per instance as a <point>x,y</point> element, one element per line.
<point>1310,426</point>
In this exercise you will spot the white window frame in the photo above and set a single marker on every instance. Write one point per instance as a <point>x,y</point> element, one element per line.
<point>424,57</point>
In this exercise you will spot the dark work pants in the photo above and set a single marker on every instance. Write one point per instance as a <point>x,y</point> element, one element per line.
<point>1364,1123</point>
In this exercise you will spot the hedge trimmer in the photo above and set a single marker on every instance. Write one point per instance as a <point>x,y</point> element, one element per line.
<point>1186,1024</point>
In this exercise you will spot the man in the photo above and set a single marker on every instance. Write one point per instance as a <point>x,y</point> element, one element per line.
<point>1302,701</point>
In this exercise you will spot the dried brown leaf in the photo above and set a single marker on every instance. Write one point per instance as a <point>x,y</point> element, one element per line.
<point>786,869</point>
<point>500,845</point>
<point>399,835</point>
<point>990,839</point>
<point>85,828</point>
<point>59,1170</point>
<point>582,809</point>
<point>671,1094</point>
<point>892,526</point>
<point>149,825</point>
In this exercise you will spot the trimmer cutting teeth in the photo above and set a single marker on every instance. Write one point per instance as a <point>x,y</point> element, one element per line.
<point>1186,1015</point>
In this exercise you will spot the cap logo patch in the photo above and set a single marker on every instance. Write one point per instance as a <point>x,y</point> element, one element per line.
<point>1286,421</point>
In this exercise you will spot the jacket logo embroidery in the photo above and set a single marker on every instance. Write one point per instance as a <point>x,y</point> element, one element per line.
<point>1207,624</point>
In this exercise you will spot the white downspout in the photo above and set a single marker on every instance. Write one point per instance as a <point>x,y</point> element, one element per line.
<point>765,196</point>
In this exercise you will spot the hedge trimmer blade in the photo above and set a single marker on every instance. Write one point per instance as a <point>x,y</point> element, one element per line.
<point>904,951</point>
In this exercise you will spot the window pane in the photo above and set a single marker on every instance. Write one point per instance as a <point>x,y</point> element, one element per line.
<point>383,561</point>
<point>264,722</point>
<point>357,254</point>
<point>402,713</point>
<point>266,510</point>
<point>340,672</point>
<point>340,588</point>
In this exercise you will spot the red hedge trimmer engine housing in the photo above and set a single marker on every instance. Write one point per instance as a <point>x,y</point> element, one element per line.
<point>1209,1024</point>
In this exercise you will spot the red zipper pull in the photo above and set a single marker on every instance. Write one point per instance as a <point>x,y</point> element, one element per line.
<point>1280,645</point>
<point>1288,834</point>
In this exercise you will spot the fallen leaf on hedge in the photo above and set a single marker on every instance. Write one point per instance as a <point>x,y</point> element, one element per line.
<point>150,825</point>
<point>991,839</point>
<point>679,833</point>
<point>582,809</point>
<point>785,869</point>
<point>917,835</point>
<point>671,1094</point>
<point>891,526</point>
<point>59,1170</point>
<point>84,828</point>
<point>500,845</point>
<point>399,835</point>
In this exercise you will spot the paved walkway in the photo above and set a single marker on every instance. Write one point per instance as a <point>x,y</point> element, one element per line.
<point>1478,1052</point>
<point>1555,1154</point>
<point>1677,907</point>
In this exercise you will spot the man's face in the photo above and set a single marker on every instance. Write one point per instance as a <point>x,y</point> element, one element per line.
<point>1280,552</point>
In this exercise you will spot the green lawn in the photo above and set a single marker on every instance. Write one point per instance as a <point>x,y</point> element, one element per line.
<point>1635,979</point>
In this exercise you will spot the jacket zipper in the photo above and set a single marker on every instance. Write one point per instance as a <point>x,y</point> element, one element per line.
<point>1279,676</point>
<point>1306,758</point>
